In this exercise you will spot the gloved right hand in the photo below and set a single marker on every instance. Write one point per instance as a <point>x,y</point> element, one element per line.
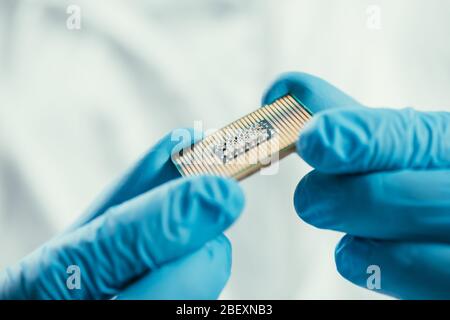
<point>382,176</point>
<point>153,236</point>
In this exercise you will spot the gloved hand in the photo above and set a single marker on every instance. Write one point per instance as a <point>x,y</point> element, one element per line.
<point>383,177</point>
<point>152,236</point>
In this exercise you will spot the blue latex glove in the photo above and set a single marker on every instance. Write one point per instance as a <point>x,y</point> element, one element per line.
<point>383,177</point>
<point>152,236</point>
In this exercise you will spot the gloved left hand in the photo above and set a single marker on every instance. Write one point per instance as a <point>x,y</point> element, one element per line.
<point>383,177</point>
<point>152,236</point>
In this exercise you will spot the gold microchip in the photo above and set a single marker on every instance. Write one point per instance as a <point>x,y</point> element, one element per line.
<point>248,144</point>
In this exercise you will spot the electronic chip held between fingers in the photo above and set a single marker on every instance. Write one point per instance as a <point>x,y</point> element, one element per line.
<point>248,144</point>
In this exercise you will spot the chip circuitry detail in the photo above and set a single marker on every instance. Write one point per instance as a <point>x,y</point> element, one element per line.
<point>247,144</point>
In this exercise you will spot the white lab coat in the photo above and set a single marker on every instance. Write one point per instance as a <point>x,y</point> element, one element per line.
<point>79,107</point>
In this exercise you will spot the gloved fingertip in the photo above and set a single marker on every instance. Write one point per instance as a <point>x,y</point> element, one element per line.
<point>301,197</point>
<point>335,141</point>
<point>342,257</point>
<point>313,143</point>
<point>342,245</point>
<point>352,258</point>
<point>306,205</point>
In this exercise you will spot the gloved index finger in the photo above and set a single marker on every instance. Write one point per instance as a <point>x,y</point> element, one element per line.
<point>353,140</point>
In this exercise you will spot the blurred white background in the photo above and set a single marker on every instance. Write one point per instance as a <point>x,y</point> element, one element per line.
<point>77,107</point>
